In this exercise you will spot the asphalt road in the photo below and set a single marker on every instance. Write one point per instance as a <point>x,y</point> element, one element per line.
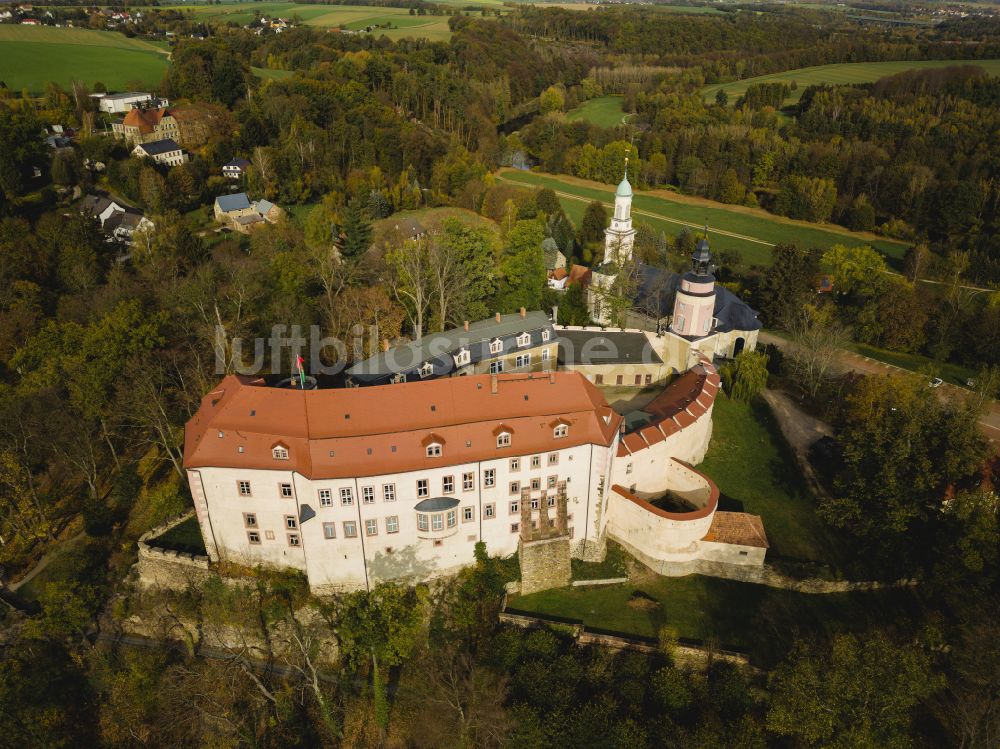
<point>850,361</point>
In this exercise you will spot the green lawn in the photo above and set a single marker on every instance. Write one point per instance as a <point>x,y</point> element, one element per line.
<point>30,57</point>
<point>755,471</point>
<point>750,233</point>
<point>756,619</point>
<point>269,74</point>
<point>605,111</point>
<point>837,74</point>
<point>185,537</point>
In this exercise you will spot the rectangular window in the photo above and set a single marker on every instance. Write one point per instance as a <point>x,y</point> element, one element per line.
<point>515,464</point>
<point>496,367</point>
<point>535,504</point>
<point>545,355</point>
<point>371,527</point>
<point>421,522</point>
<point>290,522</point>
<point>515,487</point>
<point>468,482</point>
<point>536,461</point>
<point>522,360</point>
<point>346,496</point>
<point>649,379</point>
<point>389,492</point>
<point>489,510</point>
<point>253,537</point>
<point>552,480</point>
<point>434,451</point>
<point>293,539</point>
<point>249,520</point>
<point>244,487</point>
<point>489,478</point>
<point>325,497</point>
<point>515,527</point>
<point>329,530</point>
<point>437,522</point>
<point>368,495</point>
<point>536,484</point>
<point>448,485</point>
<point>285,490</point>
<point>269,535</point>
<point>553,459</point>
<point>423,489</point>
<point>468,514</point>
<point>551,501</point>
<point>452,518</point>
<point>515,507</point>
<point>350,529</point>
<point>638,379</point>
<point>619,380</point>
<point>598,379</point>
<point>392,524</point>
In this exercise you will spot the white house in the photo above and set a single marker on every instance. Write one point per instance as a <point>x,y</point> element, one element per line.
<point>123,102</point>
<point>165,151</point>
<point>117,219</point>
<point>235,168</point>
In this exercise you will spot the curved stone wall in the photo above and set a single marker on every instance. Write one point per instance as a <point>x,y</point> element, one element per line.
<point>659,534</point>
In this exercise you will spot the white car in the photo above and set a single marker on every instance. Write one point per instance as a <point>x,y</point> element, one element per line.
<point>936,382</point>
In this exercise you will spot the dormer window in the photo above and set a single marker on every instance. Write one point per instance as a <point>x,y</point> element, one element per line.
<point>279,452</point>
<point>524,339</point>
<point>462,358</point>
<point>496,346</point>
<point>433,445</point>
<point>427,369</point>
<point>434,450</point>
<point>545,335</point>
<point>560,431</point>
<point>503,439</point>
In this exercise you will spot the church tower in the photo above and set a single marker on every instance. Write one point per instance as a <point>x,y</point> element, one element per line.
<point>694,305</point>
<point>620,236</point>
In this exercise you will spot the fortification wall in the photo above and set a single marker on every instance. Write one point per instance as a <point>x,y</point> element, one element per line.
<point>166,568</point>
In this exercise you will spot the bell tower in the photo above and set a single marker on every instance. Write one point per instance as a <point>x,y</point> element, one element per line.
<point>620,236</point>
<point>694,305</point>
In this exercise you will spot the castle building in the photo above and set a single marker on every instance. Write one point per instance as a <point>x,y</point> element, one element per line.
<point>400,481</point>
<point>707,317</point>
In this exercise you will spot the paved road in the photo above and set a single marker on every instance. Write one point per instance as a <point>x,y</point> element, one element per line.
<point>990,423</point>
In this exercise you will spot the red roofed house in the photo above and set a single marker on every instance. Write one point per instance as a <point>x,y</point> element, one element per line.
<point>145,125</point>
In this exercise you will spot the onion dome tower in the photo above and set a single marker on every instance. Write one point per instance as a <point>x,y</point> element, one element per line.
<point>694,305</point>
<point>620,236</point>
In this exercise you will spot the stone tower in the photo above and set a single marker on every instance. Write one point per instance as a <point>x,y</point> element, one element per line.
<point>694,306</point>
<point>620,236</point>
<point>543,551</point>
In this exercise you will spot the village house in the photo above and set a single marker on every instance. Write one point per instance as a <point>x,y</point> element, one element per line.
<point>240,214</point>
<point>128,100</point>
<point>143,125</point>
<point>235,168</point>
<point>118,220</point>
<point>165,151</point>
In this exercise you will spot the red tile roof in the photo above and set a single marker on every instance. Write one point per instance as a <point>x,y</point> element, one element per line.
<point>373,430</point>
<point>145,119</point>
<point>737,528</point>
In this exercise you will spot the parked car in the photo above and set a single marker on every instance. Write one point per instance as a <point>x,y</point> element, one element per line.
<point>936,382</point>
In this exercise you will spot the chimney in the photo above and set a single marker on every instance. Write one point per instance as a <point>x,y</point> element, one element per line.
<point>466,326</point>
<point>493,384</point>
<point>385,344</point>
<point>621,427</point>
<point>555,314</point>
<point>498,317</point>
<point>552,378</point>
<point>524,313</point>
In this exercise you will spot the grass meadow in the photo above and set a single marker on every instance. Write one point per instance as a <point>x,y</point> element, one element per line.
<point>837,74</point>
<point>605,111</point>
<point>31,56</point>
<point>750,232</point>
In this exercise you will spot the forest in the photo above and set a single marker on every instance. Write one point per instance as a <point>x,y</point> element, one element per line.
<point>106,351</point>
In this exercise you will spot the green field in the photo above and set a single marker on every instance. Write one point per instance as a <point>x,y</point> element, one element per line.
<point>31,56</point>
<point>837,74</point>
<point>605,111</point>
<point>268,74</point>
<point>750,232</point>
<point>756,619</point>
